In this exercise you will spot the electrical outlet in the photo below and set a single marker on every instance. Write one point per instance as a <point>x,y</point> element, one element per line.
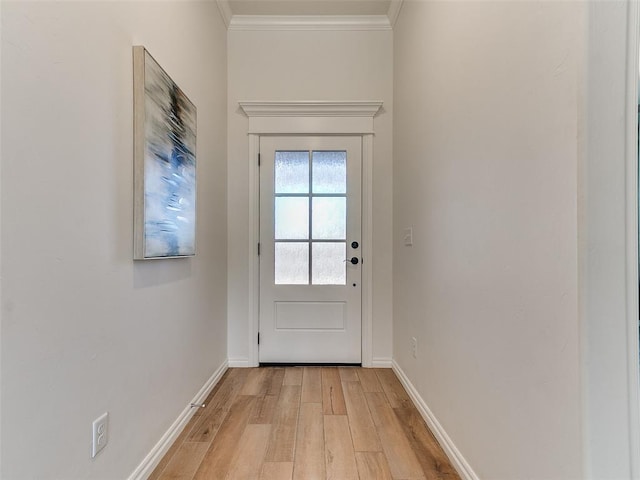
<point>408,237</point>
<point>100,433</point>
<point>414,347</point>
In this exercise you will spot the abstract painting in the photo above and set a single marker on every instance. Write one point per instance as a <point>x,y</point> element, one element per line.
<point>164,163</point>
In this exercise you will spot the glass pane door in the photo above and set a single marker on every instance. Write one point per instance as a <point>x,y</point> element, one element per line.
<point>310,223</point>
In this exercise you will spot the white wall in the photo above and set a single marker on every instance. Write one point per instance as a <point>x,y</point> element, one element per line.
<point>308,65</point>
<point>485,171</point>
<point>84,328</point>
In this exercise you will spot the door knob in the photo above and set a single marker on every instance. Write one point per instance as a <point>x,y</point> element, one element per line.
<point>353,260</point>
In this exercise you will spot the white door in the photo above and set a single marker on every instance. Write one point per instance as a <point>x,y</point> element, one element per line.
<point>310,251</point>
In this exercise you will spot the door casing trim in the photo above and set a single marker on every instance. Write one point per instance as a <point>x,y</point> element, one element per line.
<point>633,51</point>
<point>311,119</point>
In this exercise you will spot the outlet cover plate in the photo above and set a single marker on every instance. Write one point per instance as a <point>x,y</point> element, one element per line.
<point>100,433</point>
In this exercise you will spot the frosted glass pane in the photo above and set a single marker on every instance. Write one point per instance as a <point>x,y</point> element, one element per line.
<point>292,172</point>
<point>329,267</point>
<point>292,218</point>
<point>329,172</point>
<point>292,263</point>
<point>329,218</point>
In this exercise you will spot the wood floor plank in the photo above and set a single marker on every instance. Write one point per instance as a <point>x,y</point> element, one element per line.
<point>373,466</point>
<point>312,385</point>
<point>283,433</point>
<point>249,456</point>
<point>226,394</point>
<point>363,430</point>
<point>398,397</point>
<point>206,426</point>
<point>348,374</point>
<point>275,381</point>
<point>185,462</point>
<point>195,420</point>
<point>229,373</point>
<point>254,383</point>
<point>332,396</point>
<point>339,455</point>
<point>276,471</point>
<point>369,380</point>
<point>309,455</point>
<point>217,460</point>
<point>293,376</point>
<point>433,460</point>
<point>400,455</point>
<point>264,410</point>
<point>155,475</point>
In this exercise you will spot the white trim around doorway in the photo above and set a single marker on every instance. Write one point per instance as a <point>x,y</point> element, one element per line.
<point>311,118</point>
<point>632,310</point>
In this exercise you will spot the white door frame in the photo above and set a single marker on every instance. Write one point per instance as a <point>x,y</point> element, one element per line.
<point>633,372</point>
<point>311,119</point>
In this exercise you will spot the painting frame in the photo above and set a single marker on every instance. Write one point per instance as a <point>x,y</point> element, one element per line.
<point>165,127</point>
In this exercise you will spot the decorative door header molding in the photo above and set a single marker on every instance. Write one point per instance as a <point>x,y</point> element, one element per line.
<point>311,117</point>
<point>308,22</point>
<point>311,109</point>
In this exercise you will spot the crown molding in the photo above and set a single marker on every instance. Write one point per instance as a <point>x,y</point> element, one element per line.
<point>225,11</point>
<point>394,10</point>
<point>311,109</point>
<point>309,22</point>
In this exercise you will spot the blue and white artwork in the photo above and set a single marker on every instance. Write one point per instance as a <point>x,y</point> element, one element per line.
<point>169,166</point>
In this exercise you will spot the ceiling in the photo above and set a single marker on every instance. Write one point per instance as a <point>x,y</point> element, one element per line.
<point>309,7</point>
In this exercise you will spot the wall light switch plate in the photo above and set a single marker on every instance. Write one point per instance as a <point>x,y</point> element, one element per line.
<point>408,237</point>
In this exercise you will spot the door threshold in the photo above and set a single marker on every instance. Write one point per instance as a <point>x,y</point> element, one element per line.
<point>321,364</point>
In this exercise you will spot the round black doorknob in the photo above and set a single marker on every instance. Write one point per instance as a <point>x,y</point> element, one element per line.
<point>354,260</point>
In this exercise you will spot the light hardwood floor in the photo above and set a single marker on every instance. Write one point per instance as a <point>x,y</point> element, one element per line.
<point>311,423</point>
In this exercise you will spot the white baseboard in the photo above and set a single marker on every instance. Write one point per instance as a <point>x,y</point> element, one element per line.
<point>157,452</point>
<point>381,362</point>
<point>457,460</point>
<point>239,362</point>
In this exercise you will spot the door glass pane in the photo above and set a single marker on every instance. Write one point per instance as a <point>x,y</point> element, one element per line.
<point>292,218</point>
<point>329,172</point>
<point>292,263</point>
<point>329,267</point>
<point>329,218</point>
<point>292,172</point>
